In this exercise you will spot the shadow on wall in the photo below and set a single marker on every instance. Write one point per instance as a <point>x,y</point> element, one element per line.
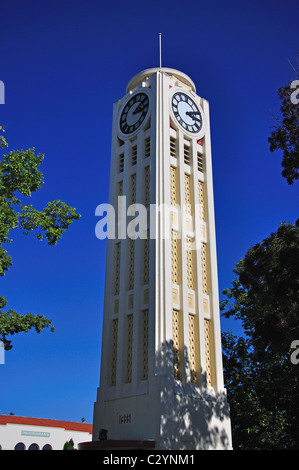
<point>192,416</point>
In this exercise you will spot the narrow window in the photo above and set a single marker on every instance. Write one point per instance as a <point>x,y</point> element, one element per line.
<point>187,154</point>
<point>147,147</point>
<point>173,147</point>
<point>134,155</point>
<point>121,162</point>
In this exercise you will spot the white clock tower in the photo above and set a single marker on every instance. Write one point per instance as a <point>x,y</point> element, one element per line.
<point>161,378</point>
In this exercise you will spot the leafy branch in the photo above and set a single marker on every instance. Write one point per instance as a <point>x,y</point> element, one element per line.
<point>20,176</point>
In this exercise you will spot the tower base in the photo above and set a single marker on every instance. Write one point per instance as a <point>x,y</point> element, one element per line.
<point>114,444</point>
<point>173,419</point>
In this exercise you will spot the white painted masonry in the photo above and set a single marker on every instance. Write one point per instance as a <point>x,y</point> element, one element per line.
<point>161,373</point>
<point>24,433</point>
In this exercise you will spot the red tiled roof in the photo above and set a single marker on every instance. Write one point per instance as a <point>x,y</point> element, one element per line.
<point>54,423</point>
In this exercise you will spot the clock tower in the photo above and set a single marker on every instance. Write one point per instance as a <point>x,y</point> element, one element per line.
<point>161,377</point>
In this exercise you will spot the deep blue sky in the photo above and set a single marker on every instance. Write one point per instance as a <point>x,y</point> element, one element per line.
<point>64,63</point>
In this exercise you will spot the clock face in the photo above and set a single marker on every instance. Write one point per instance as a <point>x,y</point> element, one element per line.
<point>134,113</point>
<point>187,112</point>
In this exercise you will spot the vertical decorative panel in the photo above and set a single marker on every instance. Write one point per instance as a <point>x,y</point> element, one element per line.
<point>120,188</point>
<point>117,268</point>
<point>204,268</point>
<point>131,264</point>
<point>191,269</point>
<point>146,259</point>
<point>194,347</point>
<point>188,195</point>
<point>176,344</point>
<point>147,186</point>
<point>133,189</point>
<point>174,196</point>
<point>119,202</point>
<point>129,348</point>
<point>208,349</point>
<point>114,351</point>
<point>145,327</point>
<point>175,257</point>
<point>202,210</point>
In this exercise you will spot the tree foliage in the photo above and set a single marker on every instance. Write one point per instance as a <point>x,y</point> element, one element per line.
<point>285,137</point>
<point>20,176</point>
<point>3,142</point>
<point>262,383</point>
<point>69,445</point>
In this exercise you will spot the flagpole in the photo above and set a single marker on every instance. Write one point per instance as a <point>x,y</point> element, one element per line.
<point>160,49</point>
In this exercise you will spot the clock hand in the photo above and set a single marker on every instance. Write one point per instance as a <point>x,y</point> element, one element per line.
<point>195,115</point>
<point>139,109</point>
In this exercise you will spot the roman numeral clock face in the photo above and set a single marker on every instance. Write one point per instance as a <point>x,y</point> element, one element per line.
<point>134,113</point>
<point>187,113</point>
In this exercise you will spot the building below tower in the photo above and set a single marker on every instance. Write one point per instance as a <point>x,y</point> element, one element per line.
<point>25,433</point>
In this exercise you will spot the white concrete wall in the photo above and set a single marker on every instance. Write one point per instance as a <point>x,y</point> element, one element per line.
<point>11,434</point>
<point>177,414</point>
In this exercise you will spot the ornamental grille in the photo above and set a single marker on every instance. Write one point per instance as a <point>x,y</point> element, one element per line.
<point>147,186</point>
<point>146,260</point>
<point>119,201</point>
<point>114,351</point>
<point>193,347</point>
<point>174,197</point>
<point>120,188</point>
<point>175,257</point>
<point>207,332</point>
<point>202,210</point>
<point>131,264</point>
<point>204,269</point>
<point>176,344</point>
<point>145,327</point>
<point>191,272</point>
<point>117,268</point>
<point>188,197</point>
<point>133,188</point>
<point>129,348</point>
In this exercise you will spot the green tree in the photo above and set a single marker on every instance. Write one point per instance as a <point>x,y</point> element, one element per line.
<point>262,383</point>
<point>3,142</point>
<point>69,445</point>
<point>20,176</point>
<point>285,137</point>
